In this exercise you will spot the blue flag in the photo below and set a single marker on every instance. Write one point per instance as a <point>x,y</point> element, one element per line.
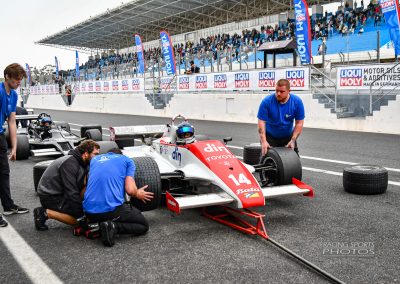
<point>77,65</point>
<point>28,73</point>
<point>168,53</point>
<point>140,55</point>
<point>303,31</point>
<point>55,57</point>
<point>390,8</point>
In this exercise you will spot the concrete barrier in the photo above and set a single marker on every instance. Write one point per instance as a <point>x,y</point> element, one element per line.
<point>233,107</point>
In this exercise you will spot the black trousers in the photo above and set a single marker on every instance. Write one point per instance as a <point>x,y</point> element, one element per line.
<point>281,142</point>
<point>69,100</point>
<point>5,193</point>
<point>128,220</point>
<point>59,204</point>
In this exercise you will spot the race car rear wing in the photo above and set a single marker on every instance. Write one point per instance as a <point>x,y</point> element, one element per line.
<point>223,198</point>
<point>129,133</point>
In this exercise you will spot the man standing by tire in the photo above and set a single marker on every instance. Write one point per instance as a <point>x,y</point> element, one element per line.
<point>110,177</point>
<point>61,185</point>
<point>13,74</point>
<point>280,118</point>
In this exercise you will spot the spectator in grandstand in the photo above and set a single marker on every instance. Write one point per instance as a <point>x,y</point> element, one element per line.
<point>280,118</point>
<point>193,68</point>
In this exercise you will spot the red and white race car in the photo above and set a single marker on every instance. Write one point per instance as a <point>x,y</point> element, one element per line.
<point>206,173</point>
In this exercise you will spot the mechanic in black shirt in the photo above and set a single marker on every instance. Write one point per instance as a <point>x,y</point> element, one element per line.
<point>61,185</point>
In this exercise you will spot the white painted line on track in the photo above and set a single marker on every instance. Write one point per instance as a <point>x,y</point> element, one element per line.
<point>324,160</point>
<point>26,257</point>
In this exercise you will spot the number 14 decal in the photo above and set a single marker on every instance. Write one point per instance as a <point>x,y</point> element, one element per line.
<point>241,180</point>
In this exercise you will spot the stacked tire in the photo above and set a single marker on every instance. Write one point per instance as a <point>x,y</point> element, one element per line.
<point>365,179</point>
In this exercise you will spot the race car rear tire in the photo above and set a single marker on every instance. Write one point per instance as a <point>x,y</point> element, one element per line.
<point>147,173</point>
<point>64,125</point>
<point>38,171</point>
<point>93,134</point>
<point>365,179</point>
<point>252,154</point>
<point>287,163</point>
<point>23,149</point>
<point>88,127</point>
<point>106,146</point>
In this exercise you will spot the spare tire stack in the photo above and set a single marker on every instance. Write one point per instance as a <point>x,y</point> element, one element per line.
<point>252,154</point>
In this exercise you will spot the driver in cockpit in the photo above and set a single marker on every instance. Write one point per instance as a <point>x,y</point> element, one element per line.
<point>45,127</point>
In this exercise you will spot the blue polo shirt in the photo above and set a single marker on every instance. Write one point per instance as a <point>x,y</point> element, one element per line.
<point>279,117</point>
<point>8,104</point>
<point>105,189</point>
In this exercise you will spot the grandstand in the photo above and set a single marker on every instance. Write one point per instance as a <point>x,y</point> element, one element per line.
<point>224,36</point>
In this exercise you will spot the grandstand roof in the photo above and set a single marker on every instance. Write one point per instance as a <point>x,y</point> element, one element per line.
<point>115,28</point>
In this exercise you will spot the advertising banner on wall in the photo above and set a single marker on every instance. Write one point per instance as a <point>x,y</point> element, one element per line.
<point>382,76</point>
<point>255,80</point>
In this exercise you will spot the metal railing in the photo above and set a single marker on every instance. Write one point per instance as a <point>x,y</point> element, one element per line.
<point>323,88</point>
<point>371,93</point>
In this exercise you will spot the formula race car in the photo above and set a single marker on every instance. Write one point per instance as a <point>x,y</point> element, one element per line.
<point>194,172</point>
<point>43,137</point>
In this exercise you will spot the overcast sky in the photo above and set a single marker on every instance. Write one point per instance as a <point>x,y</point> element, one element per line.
<point>22,22</point>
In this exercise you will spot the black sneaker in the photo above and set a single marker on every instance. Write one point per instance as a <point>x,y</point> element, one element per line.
<point>3,223</point>
<point>15,210</point>
<point>107,232</point>
<point>40,217</point>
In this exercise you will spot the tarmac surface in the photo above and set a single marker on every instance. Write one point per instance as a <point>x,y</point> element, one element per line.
<point>191,248</point>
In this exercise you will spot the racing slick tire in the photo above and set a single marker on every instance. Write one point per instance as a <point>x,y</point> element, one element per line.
<point>252,154</point>
<point>38,171</point>
<point>365,179</point>
<point>287,163</point>
<point>106,146</point>
<point>94,134</point>
<point>88,127</point>
<point>147,173</point>
<point>201,137</point>
<point>63,125</point>
<point>23,149</point>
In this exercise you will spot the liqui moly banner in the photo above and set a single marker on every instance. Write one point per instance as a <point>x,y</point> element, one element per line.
<point>44,90</point>
<point>303,31</point>
<point>168,53</point>
<point>391,11</point>
<point>253,80</point>
<point>55,58</point>
<point>77,65</point>
<point>28,74</point>
<point>363,76</point>
<point>140,54</point>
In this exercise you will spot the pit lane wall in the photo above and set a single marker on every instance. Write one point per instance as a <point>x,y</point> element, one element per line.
<point>234,107</point>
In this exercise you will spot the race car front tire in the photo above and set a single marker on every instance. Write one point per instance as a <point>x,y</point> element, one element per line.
<point>252,154</point>
<point>287,163</point>
<point>38,171</point>
<point>88,127</point>
<point>106,146</point>
<point>147,173</point>
<point>365,179</point>
<point>23,149</point>
<point>94,134</point>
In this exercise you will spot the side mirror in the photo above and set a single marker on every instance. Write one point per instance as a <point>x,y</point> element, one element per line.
<point>227,139</point>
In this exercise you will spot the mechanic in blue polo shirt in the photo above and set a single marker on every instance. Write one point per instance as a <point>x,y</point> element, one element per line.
<point>280,118</point>
<point>13,74</point>
<point>110,177</point>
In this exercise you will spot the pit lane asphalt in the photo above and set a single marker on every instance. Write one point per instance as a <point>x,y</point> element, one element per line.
<point>191,248</point>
